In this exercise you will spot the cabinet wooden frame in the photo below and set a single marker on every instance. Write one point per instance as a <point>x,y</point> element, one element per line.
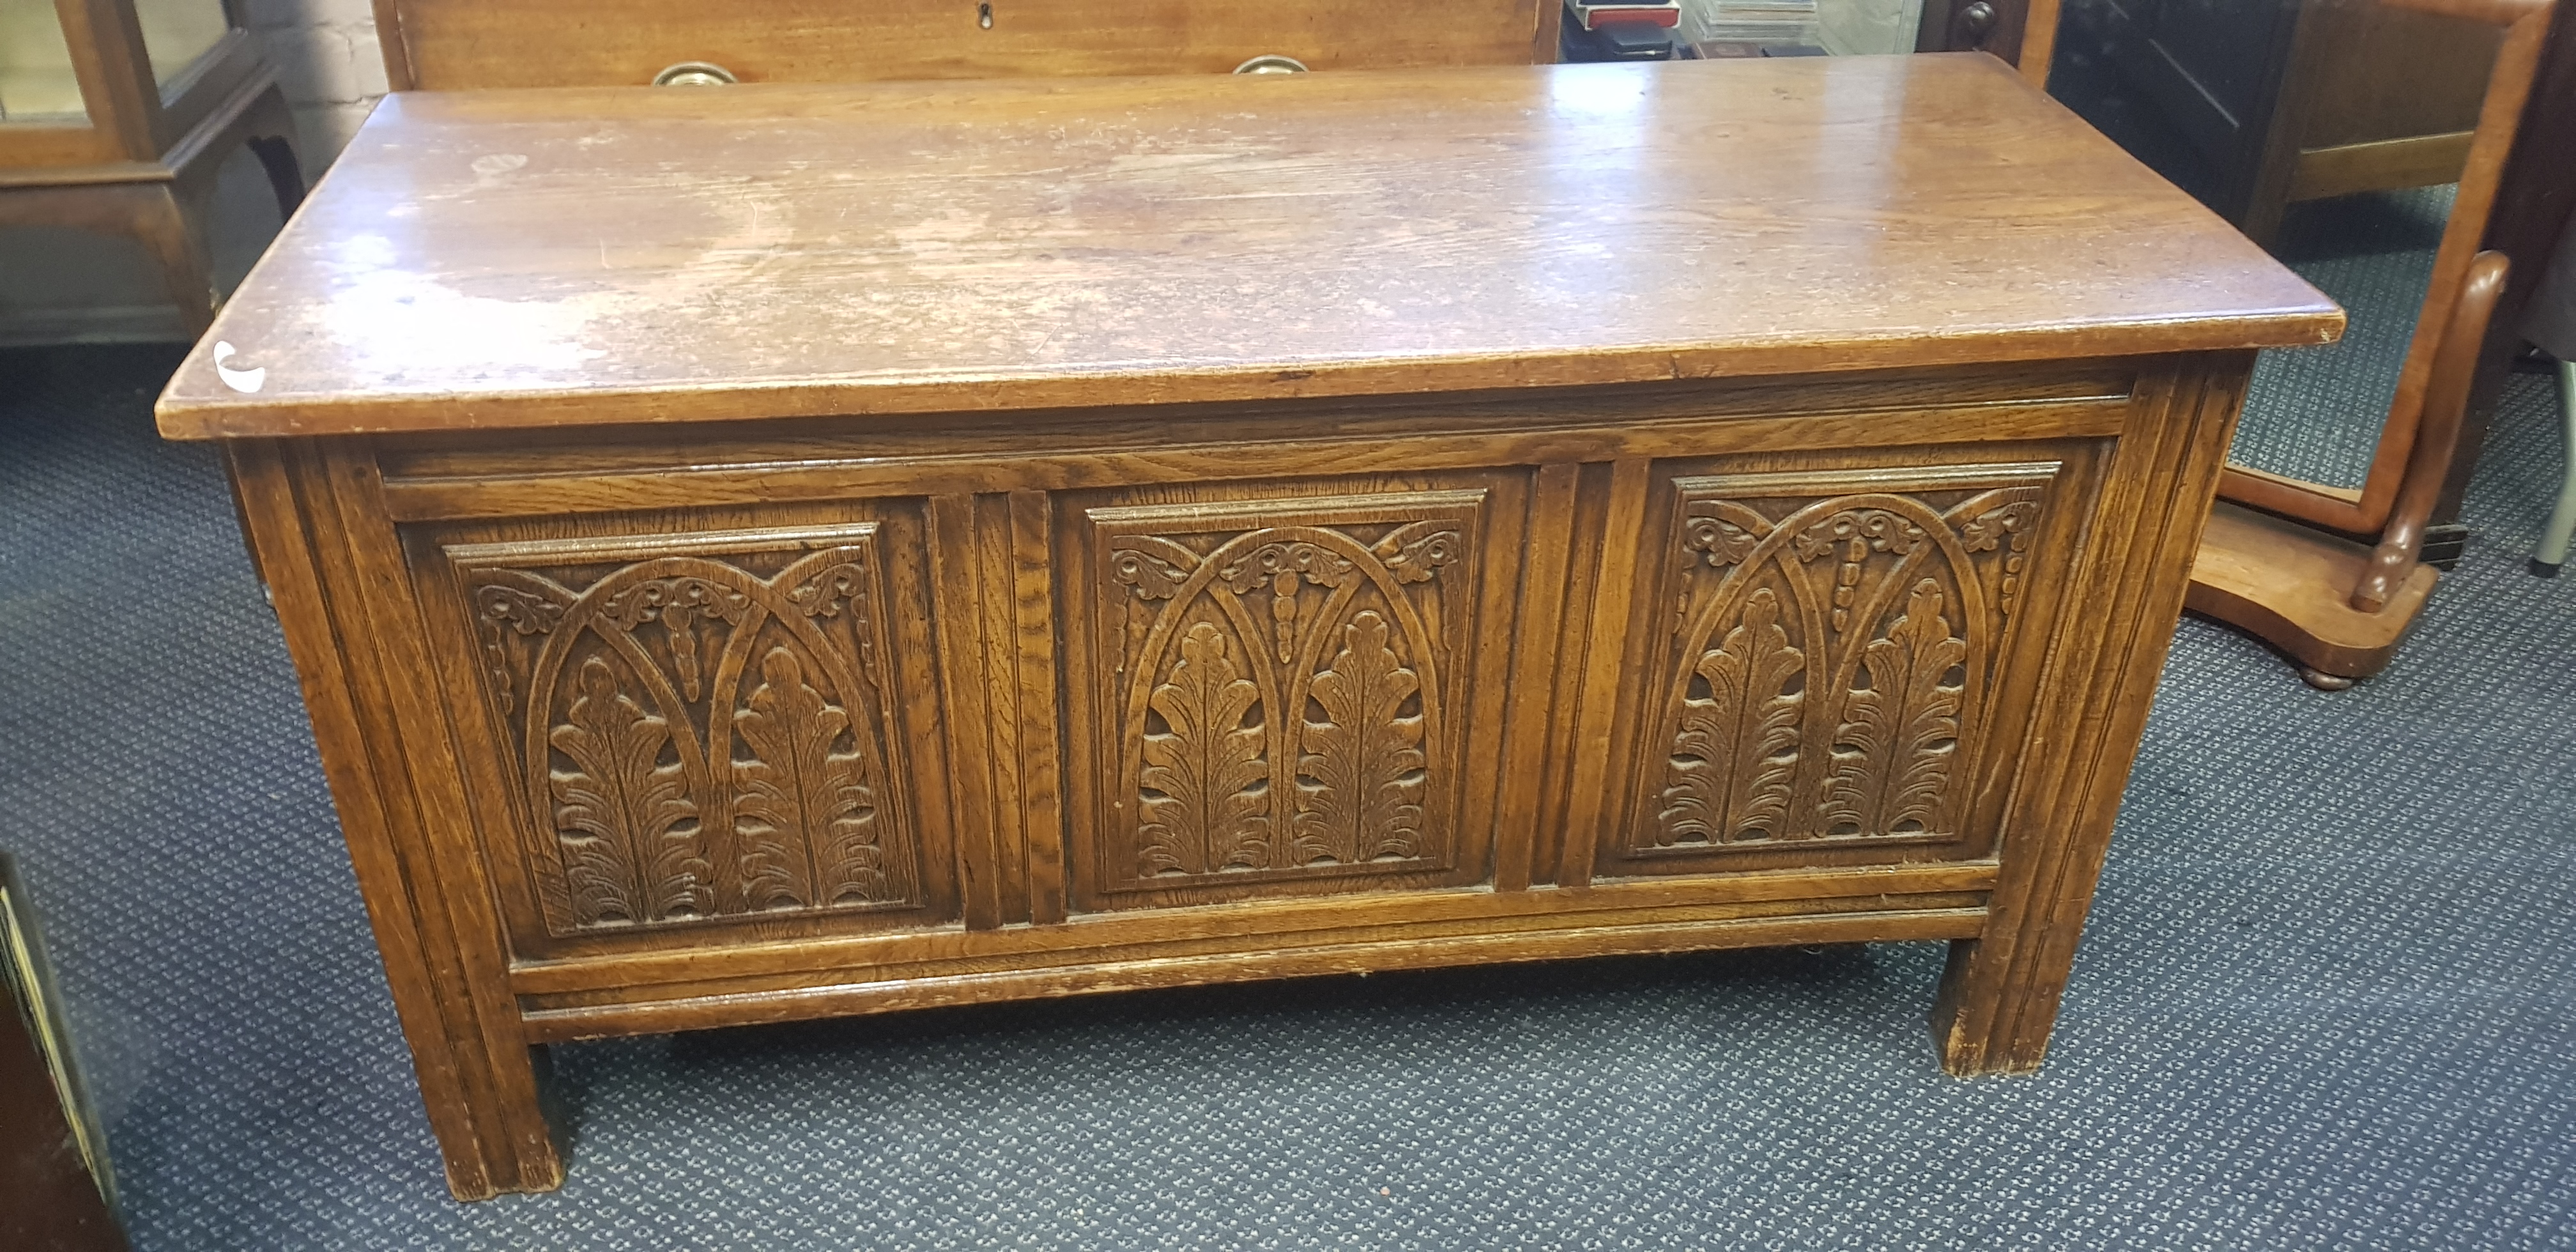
<point>1569,496</point>
<point>132,116</point>
<point>143,165</point>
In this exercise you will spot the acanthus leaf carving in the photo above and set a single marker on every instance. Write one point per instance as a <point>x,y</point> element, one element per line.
<point>1267,745</point>
<point>1807,705</point>
<point>1893,749</point>
<point>1735,758</point>
<point>1204,803</point>
<point>625,817</point>
<point>1360,771</point>
<point>805,813</point>
<point>775,777</point>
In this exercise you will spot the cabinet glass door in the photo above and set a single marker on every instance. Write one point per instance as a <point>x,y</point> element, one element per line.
<point>36,82</point>
<point>177,32</point>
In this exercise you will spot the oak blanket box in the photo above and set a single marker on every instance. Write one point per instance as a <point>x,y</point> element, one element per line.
<point>782,551</point>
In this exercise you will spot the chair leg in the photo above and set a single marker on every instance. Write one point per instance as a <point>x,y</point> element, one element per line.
<point>272,140</point>
<point>2562,520</point>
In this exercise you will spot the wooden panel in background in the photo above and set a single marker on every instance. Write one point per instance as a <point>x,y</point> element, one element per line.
<point>2387,73</point>
<point>450,45</point>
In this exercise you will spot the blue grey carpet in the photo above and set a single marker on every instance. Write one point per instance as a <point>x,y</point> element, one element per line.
<point>2327,998</point>
<point>2319,409</point>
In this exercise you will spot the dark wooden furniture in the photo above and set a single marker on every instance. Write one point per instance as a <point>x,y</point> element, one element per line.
<point>54,1182</point>
<point>142,163</point>
<point>2253,107</point>
<point>2334,576</point>
<point>783,551</point>
<point>2021,32</point>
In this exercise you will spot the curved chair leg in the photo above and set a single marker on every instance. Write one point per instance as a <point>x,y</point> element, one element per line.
<point>2437,434</point>
<point>2552,552</point>
<point>272,139</point>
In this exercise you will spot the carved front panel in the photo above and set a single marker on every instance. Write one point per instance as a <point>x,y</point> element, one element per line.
<point>1280,687</point>
<point>1828,675</point>
<point>698,727</point>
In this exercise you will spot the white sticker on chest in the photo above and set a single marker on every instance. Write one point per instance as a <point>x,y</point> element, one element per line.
<point>239,380</point>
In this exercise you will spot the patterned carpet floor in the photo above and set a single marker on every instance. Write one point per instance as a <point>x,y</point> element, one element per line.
<point>2327,998</point>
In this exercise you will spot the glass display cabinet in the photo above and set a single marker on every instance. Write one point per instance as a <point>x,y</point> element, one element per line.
<point>116,114</point>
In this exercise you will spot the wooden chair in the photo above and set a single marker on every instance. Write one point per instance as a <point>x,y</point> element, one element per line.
<point>143,163</point>
<point>2332,575</point>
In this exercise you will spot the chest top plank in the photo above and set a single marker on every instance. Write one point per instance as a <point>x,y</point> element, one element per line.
<point>512,259</point>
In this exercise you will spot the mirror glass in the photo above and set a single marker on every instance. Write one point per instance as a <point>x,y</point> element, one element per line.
<point>2331,132</point>
<point>36,83</point>
<point>2320,409</point>
<point>1863,27</point>
<point>177,32</point>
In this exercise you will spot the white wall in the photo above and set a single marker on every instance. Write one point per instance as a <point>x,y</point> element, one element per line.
<point>326,57</point>
<point>59,285</point>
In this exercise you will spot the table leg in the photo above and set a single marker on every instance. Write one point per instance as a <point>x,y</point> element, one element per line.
<point>1999,996</point>
<point>317,525</point>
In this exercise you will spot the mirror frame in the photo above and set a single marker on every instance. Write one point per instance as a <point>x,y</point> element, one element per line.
<point>2434,380</point>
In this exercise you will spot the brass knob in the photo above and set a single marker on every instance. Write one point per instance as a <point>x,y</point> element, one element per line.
<point>1271,63</point>
<point>1977,19</point>
<point>694,74</point>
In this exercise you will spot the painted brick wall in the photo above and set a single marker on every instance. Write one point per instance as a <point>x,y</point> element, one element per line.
<point>326,57</point>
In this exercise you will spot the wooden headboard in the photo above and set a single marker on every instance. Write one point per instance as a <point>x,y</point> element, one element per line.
<point>459,44</point>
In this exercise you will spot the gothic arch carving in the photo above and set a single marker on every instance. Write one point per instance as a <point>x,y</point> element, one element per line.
<point>698,737</point>
<point>1834,644</point>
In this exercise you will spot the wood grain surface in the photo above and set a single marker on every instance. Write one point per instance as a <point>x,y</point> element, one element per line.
<point>761,553</point>
<point>490,260</point>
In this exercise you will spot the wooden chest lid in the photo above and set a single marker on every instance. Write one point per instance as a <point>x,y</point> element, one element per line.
<point>587,256</point>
